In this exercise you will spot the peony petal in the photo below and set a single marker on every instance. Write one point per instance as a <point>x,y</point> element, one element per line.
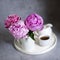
<point>34,22</point>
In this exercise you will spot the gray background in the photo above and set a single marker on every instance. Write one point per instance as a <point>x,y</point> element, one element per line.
<point>48,9</point>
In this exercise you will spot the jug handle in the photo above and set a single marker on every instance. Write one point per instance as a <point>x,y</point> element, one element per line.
<point>35,33</point>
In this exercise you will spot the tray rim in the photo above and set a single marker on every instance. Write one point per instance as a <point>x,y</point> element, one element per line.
<point>30,53</point>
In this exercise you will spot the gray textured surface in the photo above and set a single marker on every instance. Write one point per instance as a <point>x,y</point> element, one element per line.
<point>48,9</point>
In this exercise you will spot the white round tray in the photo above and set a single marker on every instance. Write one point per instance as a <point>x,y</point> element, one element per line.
<point>38,49</point>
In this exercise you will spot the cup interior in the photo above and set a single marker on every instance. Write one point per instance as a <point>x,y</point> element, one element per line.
<point>44,38</point>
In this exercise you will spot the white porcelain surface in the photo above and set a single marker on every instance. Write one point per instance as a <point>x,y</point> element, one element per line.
<point>38,49</point>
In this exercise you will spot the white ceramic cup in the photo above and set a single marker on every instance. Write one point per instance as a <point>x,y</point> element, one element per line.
<point>44,40</point>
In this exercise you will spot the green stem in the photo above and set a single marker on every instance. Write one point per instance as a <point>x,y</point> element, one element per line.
<point>31,34</point>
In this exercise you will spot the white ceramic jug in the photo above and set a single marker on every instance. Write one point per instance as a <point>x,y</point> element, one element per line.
<point>27,43</point>
<point>47,30</point>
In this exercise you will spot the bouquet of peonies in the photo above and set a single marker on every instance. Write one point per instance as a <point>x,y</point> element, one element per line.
<point>19,29</point>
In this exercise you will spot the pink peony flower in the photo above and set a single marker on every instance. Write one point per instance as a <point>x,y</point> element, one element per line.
<point>18,30</point>
<point>11,19</point>
<point>34,22</point>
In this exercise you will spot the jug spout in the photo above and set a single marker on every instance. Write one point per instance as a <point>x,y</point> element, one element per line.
<point>48,25</point>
